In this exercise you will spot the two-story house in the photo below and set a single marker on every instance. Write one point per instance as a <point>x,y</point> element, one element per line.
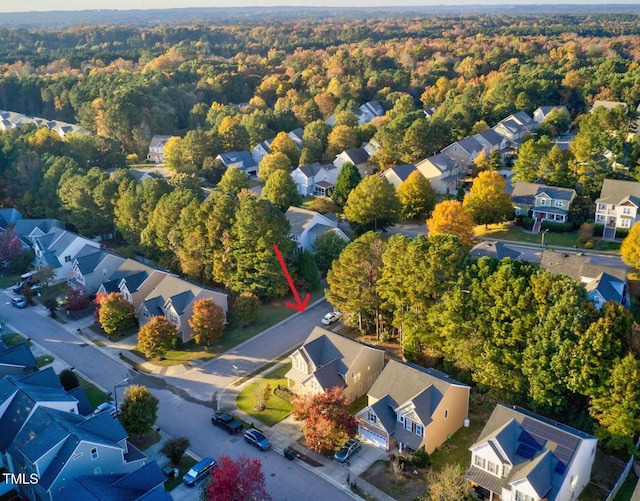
<point>442,172</point>
<point>91,267</point>
<point>327,360</point>
<point>542,202</point>
<point>603,283</point>
<point>522,456</point>
<point>617,206</point>
<point>369,111</point>
<point>542,112</point>
<point>17,360</point>
<point>490,140</point>
<point>358,157</point>
<point>515,127</point>
<point>397,175</point>
<point>58,249</point>
<point>240,159</point>
<point>261,150</point>
<point>413,408</point>
<point>464,152</point>
<point>315,179</point>
<point>156,149</point>
<point>307,226</point>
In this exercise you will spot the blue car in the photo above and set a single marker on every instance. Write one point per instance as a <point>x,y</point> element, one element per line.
<point>257,439</point>
<point>198,471</point>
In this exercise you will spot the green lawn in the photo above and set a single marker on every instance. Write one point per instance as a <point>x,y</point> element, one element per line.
<point>44,360</point>
<point>509,231</point>
<point>277,408</point>
<point>185,465</point>
<point>95,395</point>
<point>269,314</point>
<point>12,339</point>
<point>626,491</point>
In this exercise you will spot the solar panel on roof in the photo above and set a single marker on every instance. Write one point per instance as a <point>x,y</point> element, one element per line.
<point>526,438</point>
<point>563,443</point>
<point>526,451</point>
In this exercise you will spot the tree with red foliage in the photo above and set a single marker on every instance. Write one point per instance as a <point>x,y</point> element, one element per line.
<point>115,313</point>
<point>327,420</point>
<point>77,299</point>
<point>207,321</point>
<point>234,480</point>
<point>10,245</point>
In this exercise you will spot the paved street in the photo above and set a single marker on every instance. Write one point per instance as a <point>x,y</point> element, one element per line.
<point>178,416</point>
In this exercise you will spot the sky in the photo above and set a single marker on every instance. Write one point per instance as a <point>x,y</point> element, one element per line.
<point>48,5</point>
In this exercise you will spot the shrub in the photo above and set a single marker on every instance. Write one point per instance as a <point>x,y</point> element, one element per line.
<point>68,379</point>
<point>557,227</point>
<point>420,459</point>
<point>586,232</point>
<point>598,229</point>
<point>174,449</point>
<point>590,244</point>
<point>622,232</point>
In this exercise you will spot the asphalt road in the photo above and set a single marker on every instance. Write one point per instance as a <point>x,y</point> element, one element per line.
<point>180,416</point>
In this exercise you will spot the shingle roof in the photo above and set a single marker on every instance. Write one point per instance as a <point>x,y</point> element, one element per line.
<point>17,356</point>
<point>441,161</point>
<point>490,136</point>
<point>88,258</point>
<point>578,266</point>
<point>357,155</point>
<point>310,170</point>
<point>299,219</point>
<point>403,171</point>
<point>497,250</point>
<point>525,193</point>
<point>608,286</point>
<point>233,157</point>
<point>615,191</point>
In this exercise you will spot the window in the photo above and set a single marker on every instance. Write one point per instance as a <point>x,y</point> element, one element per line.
<point>67,259</point>
<point>419,430</point>
<point>94,453</point>
<point>626,211</point>
<point>625,223</point>
<point>408,425</point>
<point>372,417</point>
<point>401,419</point>
<point>486,465</point>
<point>543,201</point>
<point>558,203</point>
<point>521,496</point>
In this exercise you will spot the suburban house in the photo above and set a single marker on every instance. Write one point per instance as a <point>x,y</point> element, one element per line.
<point>609,105</point>
<point>464,152</point>
<point>327,360</point>
<point>10,120</point>
<point>413,408</point>
<point>158,293</point>
<point>142,175</point>
<point>542,112</point>
<point>372,147</point>
<point>144,484</point>
<point>515,127</point>
<point>58,444</point>
<point>442,172</point>
<point>93,266</point>
<point>542,202</point>
<point>617,206</point>
<point>240,159</point>
<point>523,456</point>
<point>156,149</point>
<point>398,174</point>
<point>261,150</point>
<point>497,250</point>
<point>58,249</point>
<point>358,157</point>
<point>8,217</point>
<point>603,283</point>
<point>17,360</point>
<point>428,112</point>
<point>369,111</point>
<point>30,229</point>
<point>307,225</point>
<point>490,140</point>
<point>315,179</point>
<point>296,135</point>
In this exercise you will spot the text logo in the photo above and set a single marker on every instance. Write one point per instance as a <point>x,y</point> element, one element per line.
<point>20,478</point>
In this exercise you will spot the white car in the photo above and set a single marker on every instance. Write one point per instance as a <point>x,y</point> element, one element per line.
<point>331,317</point>
<point>109,406</point>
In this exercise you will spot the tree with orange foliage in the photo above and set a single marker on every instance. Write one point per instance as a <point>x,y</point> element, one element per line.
<point>207,321</point>
<point>450,218</point>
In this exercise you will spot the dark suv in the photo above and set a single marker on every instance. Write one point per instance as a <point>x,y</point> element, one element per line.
<point>227,422</point>
<point>257,439</point>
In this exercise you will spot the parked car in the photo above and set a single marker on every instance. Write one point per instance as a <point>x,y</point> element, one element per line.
<point>18,302</point>
<point>198,471</point>
<point>18,288</point>
<point>257,439</point>
<point>227,421</point>
<point>331,317</point>
<point>349,448</point>
<point>109,407</point>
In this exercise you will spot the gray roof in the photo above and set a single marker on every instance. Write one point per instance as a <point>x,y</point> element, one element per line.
<point>618,192</point>
<point>357,155</point>
<point>233,157</point>
<point>578,266</point>
<point>18,356</point>
<point>525,193</point>
<point>383,408</point>
<point>539,449</point>
<point>468,144</point>
<point>144,484</point>
<point>310,170</point>
<point>88,258</point>
<point>496,250</point>
<point>24,227</point>
<point>299,219</point>
<point>402,171</point>
<point>608,286</point>
<point>415,380</point>
<point>158,140</point>
<point>9,215</point>
<point>442,161</point>
<point>490,136</point>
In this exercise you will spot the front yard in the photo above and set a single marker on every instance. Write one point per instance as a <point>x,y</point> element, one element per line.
<point>276,408</point>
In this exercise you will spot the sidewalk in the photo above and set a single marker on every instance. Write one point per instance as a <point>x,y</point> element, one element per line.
<point>286,433</point>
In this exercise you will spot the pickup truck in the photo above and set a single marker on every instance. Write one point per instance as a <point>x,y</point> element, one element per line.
<point>226,421</point>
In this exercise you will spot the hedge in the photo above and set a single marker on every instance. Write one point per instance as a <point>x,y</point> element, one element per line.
<point>559,227</point>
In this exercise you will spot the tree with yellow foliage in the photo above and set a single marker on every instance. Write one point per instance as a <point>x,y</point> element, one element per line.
<point>630,248</point>
<point>450,218</point>
<point>487,203</point>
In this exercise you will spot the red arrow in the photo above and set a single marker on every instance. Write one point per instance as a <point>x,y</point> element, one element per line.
<point>300,305</point>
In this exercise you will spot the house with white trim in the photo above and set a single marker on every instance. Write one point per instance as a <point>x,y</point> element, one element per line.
<point>617,206</point>
<point>307,226</point>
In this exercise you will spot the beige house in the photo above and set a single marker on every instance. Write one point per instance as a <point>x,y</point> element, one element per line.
<point>443,173</point>
<point>327,360</point>
<point>413,408</point>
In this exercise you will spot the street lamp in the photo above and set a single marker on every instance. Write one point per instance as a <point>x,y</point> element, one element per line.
<point>543,234</point>
<point>124,382</point>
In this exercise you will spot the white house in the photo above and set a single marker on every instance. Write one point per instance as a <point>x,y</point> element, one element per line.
<point>369,111</point>
<point>240,159</point>
<point>515,126</point>
<point>156,149</point>
<point>617,206</point>
<point>358,157</point>
<point>521,456</point>
<point>315,179</point>
<point>261,150</point>
<point>307,225</point>
<point>542,112</point>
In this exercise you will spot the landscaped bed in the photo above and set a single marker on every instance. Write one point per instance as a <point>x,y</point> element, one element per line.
<point>276,408</point>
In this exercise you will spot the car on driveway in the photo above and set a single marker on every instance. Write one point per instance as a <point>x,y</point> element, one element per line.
<point>199,471</point>
<point>226,421</point>
<point>109,407</point>
<point>349,448</point>
<point>18,302</point>
<point>257,439</point>
<point>331,317</point>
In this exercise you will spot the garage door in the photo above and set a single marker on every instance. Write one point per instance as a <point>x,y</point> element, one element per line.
<point>378,440</point>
